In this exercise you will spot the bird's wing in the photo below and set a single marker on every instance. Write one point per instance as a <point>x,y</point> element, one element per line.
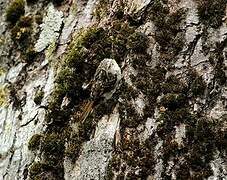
<point>86,111</point>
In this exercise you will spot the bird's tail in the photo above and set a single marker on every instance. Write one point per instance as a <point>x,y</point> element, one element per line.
<point>86,110</point>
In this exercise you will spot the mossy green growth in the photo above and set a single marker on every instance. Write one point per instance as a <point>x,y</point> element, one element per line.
<point>30,55</point>
<point>2,71</point>
<point>52,144</point>
<point>204,137</point>
<point>220,74</point>
<point>38,97</point>
<point>40,170</point>
<point>65,80</point>
<point>202,134</point>
<point>15,11</point>
<point>52,148</point>
<point>58,2</point>
<point>31,1</point>
<point>73,148</point>
<point>3,96</point>
<point>211,12</point>
<point>81,43</point>
<point>101,9</point>
<point>34,142</point>
<point>39,18</point>
<point>173,101</point>
<point>198,86</point>
<point>168,34</point>
<point>120,12</point>
<point>173,85</point>
<point>35,169</point>
<point>67,83</point>
<point>137,42</point>
<point>21,32</point>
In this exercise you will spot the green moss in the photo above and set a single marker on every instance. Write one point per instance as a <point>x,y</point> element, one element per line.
<point>35,169</point>
<point>40,170</point>
<point>72,151</point>
<point>201,133</point>
<point>173,85</point>
<point>53,147</point>
<point>3,96</point>
<point>65,80</point>
<point>38,18</point>
<point>168,34</point>
<point>21,34</point>
<point>148,81</point>
<point>106,107</point>
<point>132,156</point>
<point>78,48</point>
<point>52,144</point>
<point>101,9</point>
<point>114,164</point>
<point>120,12</point>
<point>182,171</point>
<point>22,30</point>
<point>132,153</point>
<point>169,119</point>
<point>139,61</point>
<point>30,55</point>
<point>170,149</point>
<point>203,139</point>
<point>198,86</point>
<point>34,142</point>
<point>15,11</point>
<point>55,2</point>
<point>25,21</point>
<point>137,42</point>
<point>38,97</point>
<point>211,12</point>
<point>31,1</point>
<point>2,71</point>
<point>158,74</point>
<point>173,101</point>
<point>158,12</point>
<point>220,75</point>
<point>58,2</point>
<point>129,116</point>
<point>67,83</point>
<point>73,148</point>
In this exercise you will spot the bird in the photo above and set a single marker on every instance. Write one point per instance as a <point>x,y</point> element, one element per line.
<point>103,85</point>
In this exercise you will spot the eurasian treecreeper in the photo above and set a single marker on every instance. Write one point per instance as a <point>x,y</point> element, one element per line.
<point>103,85</point>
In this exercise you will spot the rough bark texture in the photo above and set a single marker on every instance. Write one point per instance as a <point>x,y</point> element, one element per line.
<point>166,120</point>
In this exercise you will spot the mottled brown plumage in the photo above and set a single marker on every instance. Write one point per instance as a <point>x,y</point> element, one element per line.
<point>103,85</point>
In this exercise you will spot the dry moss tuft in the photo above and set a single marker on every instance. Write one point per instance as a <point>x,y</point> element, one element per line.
<point>15,11</point>
<point>34,142</point>
<point>211,12</point>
